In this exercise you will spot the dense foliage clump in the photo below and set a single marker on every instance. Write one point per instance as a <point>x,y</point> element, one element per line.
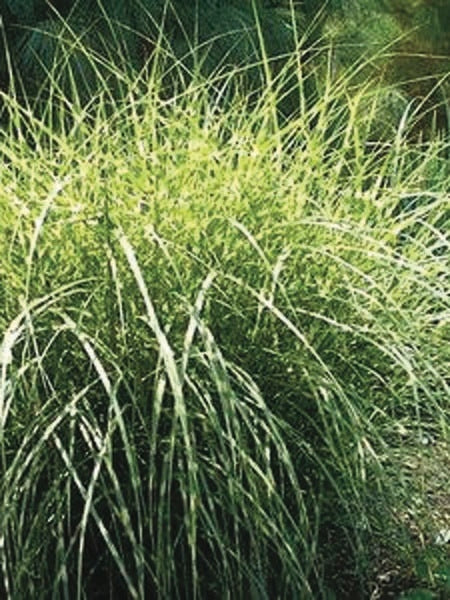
<point>224,300</point>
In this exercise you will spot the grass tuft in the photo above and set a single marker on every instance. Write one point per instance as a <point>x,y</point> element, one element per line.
<point>224,358</point>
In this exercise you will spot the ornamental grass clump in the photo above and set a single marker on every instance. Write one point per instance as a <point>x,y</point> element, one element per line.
<point>224,340</point>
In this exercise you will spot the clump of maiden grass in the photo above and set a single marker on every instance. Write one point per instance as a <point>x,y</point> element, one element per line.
<point>218,330</point>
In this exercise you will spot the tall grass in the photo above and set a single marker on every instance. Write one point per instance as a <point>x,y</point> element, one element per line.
<point>225,338</point>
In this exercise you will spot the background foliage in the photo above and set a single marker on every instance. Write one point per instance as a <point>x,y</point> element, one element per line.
<point>398,42</point>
